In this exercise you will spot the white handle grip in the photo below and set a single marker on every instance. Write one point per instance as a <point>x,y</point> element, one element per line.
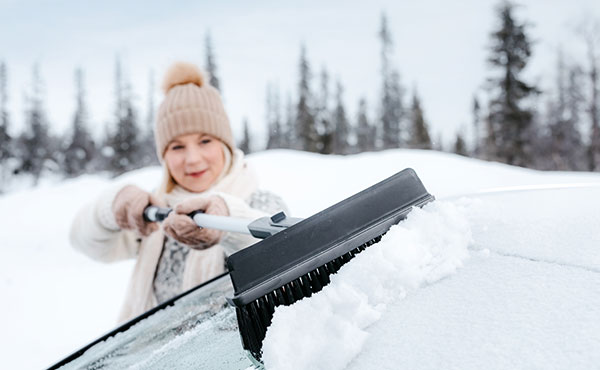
<point>232,224</point>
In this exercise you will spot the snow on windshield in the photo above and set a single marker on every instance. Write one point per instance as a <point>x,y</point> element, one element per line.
<point>327,331</point>
<point>526,297</point>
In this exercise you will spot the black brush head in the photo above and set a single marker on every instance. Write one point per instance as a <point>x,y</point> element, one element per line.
<point>255,317</point>
<point>297,262</point>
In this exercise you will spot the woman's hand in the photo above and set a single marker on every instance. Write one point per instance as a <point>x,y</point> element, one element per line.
<point>182,228</point>
<point>128,209</point>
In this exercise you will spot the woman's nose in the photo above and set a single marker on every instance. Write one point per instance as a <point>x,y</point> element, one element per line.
<point>193,155</point>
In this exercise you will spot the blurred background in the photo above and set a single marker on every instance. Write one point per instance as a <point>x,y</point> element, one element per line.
<point>511,82</point>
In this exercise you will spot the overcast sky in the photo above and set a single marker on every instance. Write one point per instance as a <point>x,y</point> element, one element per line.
<point>439,48</point>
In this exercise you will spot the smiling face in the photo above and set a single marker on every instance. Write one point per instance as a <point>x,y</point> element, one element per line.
<point>195,161</point>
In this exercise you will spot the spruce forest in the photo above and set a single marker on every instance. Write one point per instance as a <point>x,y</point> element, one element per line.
<point>514,121</point>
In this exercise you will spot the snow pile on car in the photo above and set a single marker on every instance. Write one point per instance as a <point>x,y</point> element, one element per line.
<point>327,330</point>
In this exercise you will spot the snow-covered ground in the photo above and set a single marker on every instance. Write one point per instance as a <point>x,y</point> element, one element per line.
<point>56,300</point>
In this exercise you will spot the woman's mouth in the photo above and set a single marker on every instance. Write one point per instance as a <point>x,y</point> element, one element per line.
<point>196,174</point>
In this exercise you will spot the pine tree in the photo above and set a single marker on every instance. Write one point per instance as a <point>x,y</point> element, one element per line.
<point>80,148</point>
<point>365,132</point>
<point>392,109</point>
<point>125,141</point>
<point>275,135</point>
<point>150,112</point>
<point>324,119</point>
<point>288,131</point>
<point>122,145</point>
<point>271,130</point>
<point>575,97</point>
<point>277,118</point>
<point>565,138</point>
<point>245,144</point>
<point>590,31</point>
<point>489,142</point>
<point>34,141</point>
<point>147,150</point>
<point>340,122</point>
<point>305,116</point>
<point>478,130</point>
<point>6,144</point>
<point>511,122</point>
<point>460,146</point>
<point>211,66</point>
<point>438,144</point>
<point>419,138</point>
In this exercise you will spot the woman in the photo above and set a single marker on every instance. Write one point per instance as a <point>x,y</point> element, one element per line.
<point>202,171</point>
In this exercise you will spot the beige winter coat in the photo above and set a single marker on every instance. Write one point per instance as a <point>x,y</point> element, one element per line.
<point>92,235</point>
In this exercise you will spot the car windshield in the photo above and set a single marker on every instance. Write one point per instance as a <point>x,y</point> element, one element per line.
<point>199,331</point>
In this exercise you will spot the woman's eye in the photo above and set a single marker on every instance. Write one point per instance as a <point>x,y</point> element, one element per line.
<point>205,141</point>
<point>176,147</point>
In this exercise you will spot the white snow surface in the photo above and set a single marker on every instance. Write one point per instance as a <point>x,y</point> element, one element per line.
<point>527,297</point>
<point>428,246</point>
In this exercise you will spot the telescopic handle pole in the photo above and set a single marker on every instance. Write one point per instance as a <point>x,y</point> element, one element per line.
<point>260,228</point>
<point>223,223</point>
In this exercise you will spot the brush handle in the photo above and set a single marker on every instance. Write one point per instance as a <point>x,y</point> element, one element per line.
<point>260,228</point>
<point>223,223</point>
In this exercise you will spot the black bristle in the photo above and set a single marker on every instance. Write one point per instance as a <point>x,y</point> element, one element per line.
<point>289,291</point>
<point>323,276</point>
<point>265,311</point>
<point>337,263</point>
<point>251,338</point>
<point>282,297</point>
<point>315,284</point>
<point>305,286</point>
<point>254,318</point>
<point>288,298</point>
<point>256,313</point>
<point>279,297</point>
<point>271,303</point>
<point>297,289</point>
<point>331,267</point>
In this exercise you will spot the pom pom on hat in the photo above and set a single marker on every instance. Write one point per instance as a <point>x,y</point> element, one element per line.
<point>181,73</point>
<point>191,105</point>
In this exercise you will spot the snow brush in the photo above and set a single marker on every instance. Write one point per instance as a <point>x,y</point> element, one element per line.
<point>297,261</point>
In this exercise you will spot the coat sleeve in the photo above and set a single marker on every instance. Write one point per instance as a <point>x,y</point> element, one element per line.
<point>260,204</point>
<point>95,233</point>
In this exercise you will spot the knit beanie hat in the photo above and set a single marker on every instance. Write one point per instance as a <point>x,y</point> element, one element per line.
<point>190,106</point>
